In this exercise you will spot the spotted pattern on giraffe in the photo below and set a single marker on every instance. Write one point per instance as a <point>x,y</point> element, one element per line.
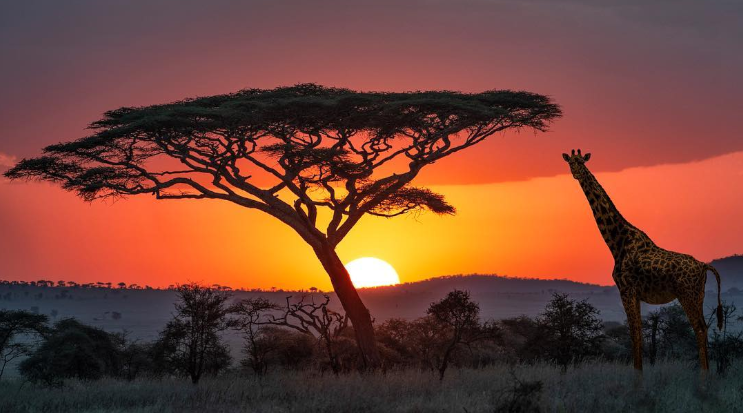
<point>644,271</point>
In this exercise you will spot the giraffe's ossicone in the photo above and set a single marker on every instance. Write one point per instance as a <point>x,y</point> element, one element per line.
<point>642,270</point>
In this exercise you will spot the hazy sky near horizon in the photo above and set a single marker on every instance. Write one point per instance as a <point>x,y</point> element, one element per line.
<point>652,90</point>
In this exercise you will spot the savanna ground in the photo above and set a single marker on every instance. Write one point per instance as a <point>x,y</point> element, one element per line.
<point>591,387</point>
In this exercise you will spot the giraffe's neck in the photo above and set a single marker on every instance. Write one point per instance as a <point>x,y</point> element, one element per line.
<point>611,223</point>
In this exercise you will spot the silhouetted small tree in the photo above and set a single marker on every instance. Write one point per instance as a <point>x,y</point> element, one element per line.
<point>17,330</point>
<point>349,153</point>
<point>316,319</point>
<point>653,325</point>
<point>459,318</point>
<point>252,315</point>
<point>191,344</point>
<point>433,341</point>
<point>572,330</point>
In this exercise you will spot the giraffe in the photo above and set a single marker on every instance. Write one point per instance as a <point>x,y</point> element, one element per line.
<point>642,270</point>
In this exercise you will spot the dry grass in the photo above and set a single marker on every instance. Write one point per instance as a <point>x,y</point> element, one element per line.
<point>595,387</point>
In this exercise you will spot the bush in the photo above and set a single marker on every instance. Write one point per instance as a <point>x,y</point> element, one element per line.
<point>72,350</point>
<point>277,346</point>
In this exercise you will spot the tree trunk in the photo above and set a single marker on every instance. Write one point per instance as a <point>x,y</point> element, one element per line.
<point>653,350</point>
<point>352,304</point>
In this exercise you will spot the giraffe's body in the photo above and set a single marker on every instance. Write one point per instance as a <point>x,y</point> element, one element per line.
<point>642,270</point>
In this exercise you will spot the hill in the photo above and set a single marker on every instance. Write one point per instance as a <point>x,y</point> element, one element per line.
<point>731,273</point>
<point>498,296</point>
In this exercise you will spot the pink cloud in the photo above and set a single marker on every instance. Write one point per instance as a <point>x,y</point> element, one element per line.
<point>7,160</point>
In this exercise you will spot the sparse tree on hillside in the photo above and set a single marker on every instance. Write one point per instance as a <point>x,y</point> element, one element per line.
<point>291,152</point>
<point>191,344</point>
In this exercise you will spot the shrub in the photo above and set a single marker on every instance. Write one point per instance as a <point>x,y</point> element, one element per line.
<point>72,350</point>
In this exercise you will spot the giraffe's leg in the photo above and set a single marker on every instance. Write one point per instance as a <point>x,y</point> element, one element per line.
<point>694,309</point>
<point>631,304</point>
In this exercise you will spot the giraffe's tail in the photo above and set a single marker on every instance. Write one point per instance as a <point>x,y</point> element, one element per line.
<point>719,301</point>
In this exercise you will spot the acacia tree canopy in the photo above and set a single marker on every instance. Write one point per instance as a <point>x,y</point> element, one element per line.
<point>287,151</point>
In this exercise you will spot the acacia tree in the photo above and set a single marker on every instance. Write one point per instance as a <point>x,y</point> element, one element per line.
<point>572,330</point>
<point>460,318</point>
<point>191,342</point>
<point>290,152</point>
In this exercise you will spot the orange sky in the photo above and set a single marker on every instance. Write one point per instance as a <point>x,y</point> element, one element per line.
<point>652,90</point>
<point>537,228</point>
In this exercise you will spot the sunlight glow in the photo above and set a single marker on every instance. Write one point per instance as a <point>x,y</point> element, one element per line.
<point>371,272</point>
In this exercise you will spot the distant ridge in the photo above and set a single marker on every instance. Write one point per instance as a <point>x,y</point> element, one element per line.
<point>146,310</point>
<point>731,273</point>
<point>493,283</point>
<point>498,296</point>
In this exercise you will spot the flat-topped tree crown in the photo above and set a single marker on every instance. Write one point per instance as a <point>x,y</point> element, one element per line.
<point>320,147</point>
<point>290,152</point>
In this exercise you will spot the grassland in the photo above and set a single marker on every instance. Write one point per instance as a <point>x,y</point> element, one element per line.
<point>592,387</point>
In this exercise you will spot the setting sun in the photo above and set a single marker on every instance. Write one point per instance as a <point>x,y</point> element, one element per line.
<point>371,272</point>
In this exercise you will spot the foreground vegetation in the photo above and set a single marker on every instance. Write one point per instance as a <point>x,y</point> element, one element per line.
<point>301,356</point>
<point>595,386</point>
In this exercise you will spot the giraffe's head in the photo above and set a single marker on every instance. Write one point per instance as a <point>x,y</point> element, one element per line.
<point>576,162</point>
